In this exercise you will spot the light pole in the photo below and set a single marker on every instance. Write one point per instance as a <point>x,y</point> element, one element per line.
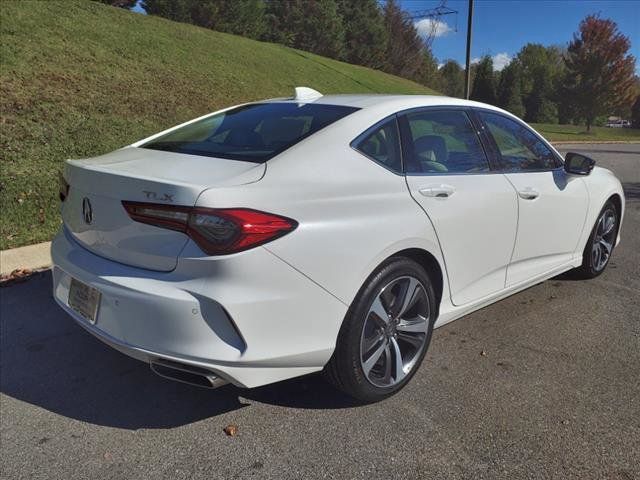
<point>467,79</point>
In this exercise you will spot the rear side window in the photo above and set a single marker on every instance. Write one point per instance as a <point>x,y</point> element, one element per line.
<point>254,133</point>
<point>441,141</point>
<point>520,149</point>
<point>382,144</point>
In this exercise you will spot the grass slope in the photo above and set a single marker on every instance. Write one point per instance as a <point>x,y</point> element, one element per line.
<point>80,78</point>
<point>578,133</point>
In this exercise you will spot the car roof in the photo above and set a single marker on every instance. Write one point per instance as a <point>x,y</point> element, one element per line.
<point>364,101</point>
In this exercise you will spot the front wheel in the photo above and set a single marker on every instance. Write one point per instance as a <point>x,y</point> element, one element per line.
<point>599,248</point>
<point>386,333</point>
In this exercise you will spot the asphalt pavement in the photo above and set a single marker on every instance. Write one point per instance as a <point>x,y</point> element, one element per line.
<point>544,384</point>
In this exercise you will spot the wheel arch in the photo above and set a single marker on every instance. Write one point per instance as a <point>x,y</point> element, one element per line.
<point>430,264</point>
<point>426,260</point>
<point>602,187</point>
<point>617,202</point>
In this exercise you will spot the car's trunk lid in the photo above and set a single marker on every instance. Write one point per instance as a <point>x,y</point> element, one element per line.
<point>93,210</point>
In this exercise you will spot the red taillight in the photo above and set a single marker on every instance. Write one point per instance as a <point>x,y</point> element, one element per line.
<point>217,231</point>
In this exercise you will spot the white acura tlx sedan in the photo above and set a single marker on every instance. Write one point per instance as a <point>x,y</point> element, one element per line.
<point>283,237</point>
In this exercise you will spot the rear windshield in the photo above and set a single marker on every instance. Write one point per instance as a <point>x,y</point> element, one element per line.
<point>255,132</point>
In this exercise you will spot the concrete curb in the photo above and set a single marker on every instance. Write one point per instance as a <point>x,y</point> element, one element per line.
<point>32,257</point>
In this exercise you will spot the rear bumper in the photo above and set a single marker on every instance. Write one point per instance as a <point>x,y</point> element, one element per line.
<point>249,318</point>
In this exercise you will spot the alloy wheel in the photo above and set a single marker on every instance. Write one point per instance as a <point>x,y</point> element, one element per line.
<point>603,239</point>
<point>395,331</point>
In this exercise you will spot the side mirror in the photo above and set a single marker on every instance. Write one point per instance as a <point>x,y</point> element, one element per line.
<point>578,164</point>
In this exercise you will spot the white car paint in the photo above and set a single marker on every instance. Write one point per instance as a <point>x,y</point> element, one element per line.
<point>273,312</point>
<point>552,208</point>
<point>476,263</point>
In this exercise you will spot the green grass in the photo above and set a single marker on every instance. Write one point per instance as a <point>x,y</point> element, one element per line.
<point>577,133</point>
<point>80,78</point>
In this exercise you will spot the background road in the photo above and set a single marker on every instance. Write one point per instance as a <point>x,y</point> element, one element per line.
<point>556,395</point>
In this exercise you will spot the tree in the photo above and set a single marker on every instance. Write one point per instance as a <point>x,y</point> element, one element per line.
<point>451,79</point>
<point>600,71</point>
<point>635,113</point>
<point>313,26</point>
<point>540,107</point>
<point>484,88</point>
<point>126,4</point>
<point>542,70</point>
<point>509,94</point>
<point>365,37</point>
<point>176,10</point>
<point>240,17</point>
<point>429,69</point>
<point>405,48</point>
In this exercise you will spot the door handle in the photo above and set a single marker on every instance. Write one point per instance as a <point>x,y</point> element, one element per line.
<point>438,191</point>
<point>528,193</point>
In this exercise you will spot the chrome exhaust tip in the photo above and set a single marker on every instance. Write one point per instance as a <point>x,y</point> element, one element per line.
<point>190,374</point>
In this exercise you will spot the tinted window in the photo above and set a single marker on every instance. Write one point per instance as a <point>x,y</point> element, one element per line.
<point>440,142</point>
<point>383,145</point>
<point>254,132</point>
<point>519,147</point>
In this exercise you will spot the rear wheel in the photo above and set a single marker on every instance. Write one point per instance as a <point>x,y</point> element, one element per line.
<point>599,248</point>
<point>386,332</point>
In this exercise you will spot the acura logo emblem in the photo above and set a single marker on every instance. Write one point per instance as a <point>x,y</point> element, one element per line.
<point>87,211</point>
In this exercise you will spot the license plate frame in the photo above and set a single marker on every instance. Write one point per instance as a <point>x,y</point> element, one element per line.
<point>84,300</point>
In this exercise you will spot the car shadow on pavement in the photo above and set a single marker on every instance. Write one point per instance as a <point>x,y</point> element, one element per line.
<point>49,361</point>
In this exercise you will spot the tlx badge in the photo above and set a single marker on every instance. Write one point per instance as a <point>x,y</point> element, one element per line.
<point>163,197</point>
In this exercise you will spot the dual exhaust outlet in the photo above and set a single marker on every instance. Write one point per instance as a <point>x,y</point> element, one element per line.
<point>181,372</point>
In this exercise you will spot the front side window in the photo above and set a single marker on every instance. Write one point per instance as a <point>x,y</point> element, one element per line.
<point>254,133</point>
<point>383,145</point>
<point>441,141</point>
<point>519,148</point>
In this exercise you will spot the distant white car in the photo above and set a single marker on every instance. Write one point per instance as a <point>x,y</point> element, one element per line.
<point>618,124</point>
<point>284,237</point>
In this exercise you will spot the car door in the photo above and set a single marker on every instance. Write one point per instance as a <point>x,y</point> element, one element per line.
<point>552,205</point>
<point>472,208</point>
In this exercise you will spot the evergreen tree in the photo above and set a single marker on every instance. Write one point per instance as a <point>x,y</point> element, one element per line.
<point>540,108</point>
<point>484,89</point>
<point>126,4</point>
<point>509,92</point>
<point>405,48</point>
<point>542,72</point>
<point>240,17</point>
<point>365,37</point>
<point>284,19</point>
<point>451,79</point>
<point>429,72</point>
<point>176,10</point>
<point>313,26</point>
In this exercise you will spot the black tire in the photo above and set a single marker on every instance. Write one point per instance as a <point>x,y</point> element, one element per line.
<point>590,268</point>
<point>345,368</point>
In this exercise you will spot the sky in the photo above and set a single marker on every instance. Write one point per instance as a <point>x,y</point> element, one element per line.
<point>501,27</point>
